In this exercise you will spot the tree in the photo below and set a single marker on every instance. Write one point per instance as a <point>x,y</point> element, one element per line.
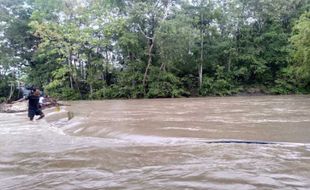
<point>147,17</point>
<point>16,43</point>
<point>163,48</point>
<point>301,44</point>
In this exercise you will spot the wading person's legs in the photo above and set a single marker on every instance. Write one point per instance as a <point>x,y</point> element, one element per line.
<point>31,114</point>
<point>40,113</point>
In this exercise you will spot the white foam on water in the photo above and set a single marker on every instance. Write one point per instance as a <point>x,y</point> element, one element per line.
<point>183,128</point>
<point>146,139</point>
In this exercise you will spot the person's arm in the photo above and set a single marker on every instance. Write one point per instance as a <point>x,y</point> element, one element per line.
<point>41,100</point>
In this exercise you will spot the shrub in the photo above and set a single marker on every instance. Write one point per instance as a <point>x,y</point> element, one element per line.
<point>221,85</point>
<point>286,82</point>
<point>164,85</point>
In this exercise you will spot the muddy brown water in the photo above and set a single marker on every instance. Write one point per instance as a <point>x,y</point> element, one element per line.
<point>260,142</point>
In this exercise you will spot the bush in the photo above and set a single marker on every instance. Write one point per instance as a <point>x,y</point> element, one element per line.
<point>57,90</point>
<point>64,94</point>
<point>286,82</point>
<point>2,99</point>
<point>69,94</point>
<point>164,85</point>
<point>4,88</point>
<point>105,93</point>
<point>190,83</point>
<point>221,85</point>
<point>129,85</point>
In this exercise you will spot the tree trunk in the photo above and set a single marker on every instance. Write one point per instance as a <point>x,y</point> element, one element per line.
<point>11,92</point>
<point>229,64</point>
<point>70,68</point>
<point>106,69</point>
<point>163,67</point>
<point>75,77</point>
<point>200,75</point>
<point>91,90</point>
<point>200,71</point>
<point>151,40</point>
<point>90,82</point>
<point>149,62</point>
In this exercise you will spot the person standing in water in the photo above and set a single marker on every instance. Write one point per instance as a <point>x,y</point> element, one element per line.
<point>34,107</point>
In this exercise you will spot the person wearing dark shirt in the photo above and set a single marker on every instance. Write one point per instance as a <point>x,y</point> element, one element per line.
<point>34,107</point>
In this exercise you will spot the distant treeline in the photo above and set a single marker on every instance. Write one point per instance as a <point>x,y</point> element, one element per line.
<point>97,49</point>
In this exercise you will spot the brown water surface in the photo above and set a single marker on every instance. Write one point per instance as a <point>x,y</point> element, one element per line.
<point>199,143</point>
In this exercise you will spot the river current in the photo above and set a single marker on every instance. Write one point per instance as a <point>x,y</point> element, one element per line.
<point>259,142</point>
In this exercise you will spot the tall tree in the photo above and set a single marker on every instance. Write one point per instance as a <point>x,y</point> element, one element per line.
<point>147,17</point>
<point>301,43</point>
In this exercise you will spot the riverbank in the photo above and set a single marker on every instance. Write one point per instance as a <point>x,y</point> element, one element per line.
<point>16,107</point>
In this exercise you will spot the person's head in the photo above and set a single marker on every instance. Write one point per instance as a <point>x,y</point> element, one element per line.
<point>37,92</point>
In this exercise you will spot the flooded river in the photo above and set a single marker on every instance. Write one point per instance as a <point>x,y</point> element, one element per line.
<point>201,143</point>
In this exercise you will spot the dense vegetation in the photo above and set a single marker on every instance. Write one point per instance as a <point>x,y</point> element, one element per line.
<point>96,49</point>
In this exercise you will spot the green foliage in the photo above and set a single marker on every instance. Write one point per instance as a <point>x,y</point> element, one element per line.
<point>2,99</point>
<point>66,94</point>
<point>104,93</point>
<point>301,43</point>
<point>164,85</point>
<point>4,89</point>
<point>59,90</point>
<point>220,85</point>
<point>129,84</point>
<point>287,83</point>
<point>59,87</point>
<point>147,49</point>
